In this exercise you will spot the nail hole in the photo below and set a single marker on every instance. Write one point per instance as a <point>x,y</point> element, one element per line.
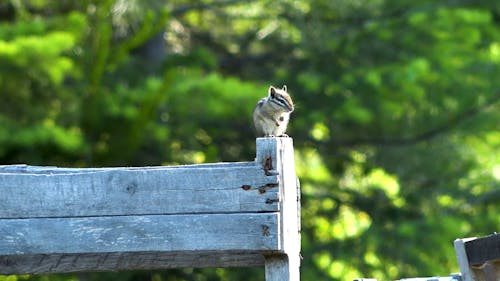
<point>265,230</point>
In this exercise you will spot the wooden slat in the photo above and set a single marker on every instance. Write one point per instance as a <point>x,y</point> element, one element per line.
<point>66,263</point>
<point>214,232</point>
<point>57,220</point>
<point>483,249</point>
<point>27,169</point>
<point>60,192</point>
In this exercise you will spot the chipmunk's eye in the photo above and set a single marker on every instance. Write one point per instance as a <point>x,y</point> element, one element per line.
<point>273,93</point>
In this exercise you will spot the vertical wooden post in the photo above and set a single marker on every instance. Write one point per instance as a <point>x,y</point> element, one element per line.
<point>276,157</point>
<point>463,260</point>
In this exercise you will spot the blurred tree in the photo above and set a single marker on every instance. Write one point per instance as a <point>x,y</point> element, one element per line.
<point>396,130</point>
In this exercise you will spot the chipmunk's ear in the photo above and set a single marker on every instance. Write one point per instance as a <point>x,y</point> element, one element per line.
<point>272,91</point>
<point>284,88</point>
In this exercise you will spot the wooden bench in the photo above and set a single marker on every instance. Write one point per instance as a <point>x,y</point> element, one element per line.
<point>60,220</point>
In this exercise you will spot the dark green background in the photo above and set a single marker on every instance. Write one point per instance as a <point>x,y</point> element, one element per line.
<point>396,130</point>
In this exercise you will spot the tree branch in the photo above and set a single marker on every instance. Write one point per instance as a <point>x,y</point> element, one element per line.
<point>205,6</point>
<point>426,135</point>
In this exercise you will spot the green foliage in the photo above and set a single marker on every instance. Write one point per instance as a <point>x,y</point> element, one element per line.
<point>396,127</point>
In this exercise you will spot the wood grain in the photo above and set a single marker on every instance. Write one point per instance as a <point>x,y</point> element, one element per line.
<point>118,261</point>
<point>277,157</point>
<point>483,249</point>
<point>59,220</point>
<point>208,232</point>
<point>60,192</point>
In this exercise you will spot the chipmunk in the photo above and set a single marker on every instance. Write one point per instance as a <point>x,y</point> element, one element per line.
<point>271,114</point>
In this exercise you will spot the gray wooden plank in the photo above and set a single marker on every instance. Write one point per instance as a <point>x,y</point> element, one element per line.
<point>201,189</point>
<point>66,263</point>
<point>463,261</point>
<point>279,268</point>
<point>28,169</point>
<point>164,233</point>
<point>277,157</point>
<point>56,220</point>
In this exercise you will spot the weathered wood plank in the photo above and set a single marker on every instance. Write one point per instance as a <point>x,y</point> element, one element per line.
<point>210,232</point>
<point>66,263</point>
<point>280,268</point>
<point>276,156</point>
<point>479,258</point>
<point>136,191</point>
<point>56,220</point>
<point>463,261</point>
<point>488,271</point>
<point>27,169</point>
<point>483,249</point>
